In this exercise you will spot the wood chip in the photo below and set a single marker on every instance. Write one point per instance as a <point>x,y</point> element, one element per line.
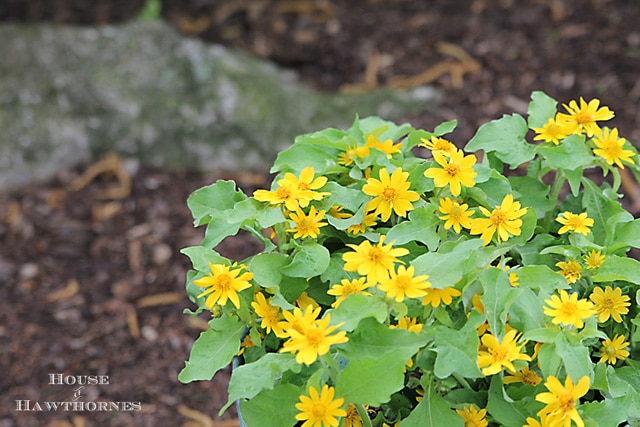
<point>67,292</point>
<point>204,420</point>
<point>132,322</point>
<point>111,164</point>
<point>168,298</point>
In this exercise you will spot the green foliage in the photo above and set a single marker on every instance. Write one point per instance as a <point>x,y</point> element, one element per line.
<point>406,337</point>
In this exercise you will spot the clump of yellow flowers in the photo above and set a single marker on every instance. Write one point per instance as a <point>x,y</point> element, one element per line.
<point>408,279</point>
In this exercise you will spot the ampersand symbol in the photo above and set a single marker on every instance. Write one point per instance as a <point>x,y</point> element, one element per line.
<point>77,393</point>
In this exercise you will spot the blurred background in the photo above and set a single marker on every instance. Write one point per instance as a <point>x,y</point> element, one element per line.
<point>112,112</point>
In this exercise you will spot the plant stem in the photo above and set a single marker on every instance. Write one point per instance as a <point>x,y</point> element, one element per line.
<point>362,411</point>
<point>555,193</point>
<point>462,381</point>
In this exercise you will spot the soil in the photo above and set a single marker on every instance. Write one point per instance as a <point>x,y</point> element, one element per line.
<point>92,281</point>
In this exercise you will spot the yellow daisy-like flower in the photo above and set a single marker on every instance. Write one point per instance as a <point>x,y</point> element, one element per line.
<point>403,284</point>
<point>297,320</point>
<point>391,194</point>
<point>499,355</point>
<point>437,296</point>
<point>553,131</point>
<point>610,148</point>
<point>304,300</point>
<point>561,401</point>
<point>614,350</point>
<point>348,287</point>
<point>306,225</point>
<point>314,340</point>
<point>368,221</point>
<point>352,419</point>
<point>568,310</point>
<point>438,144</point>
<point>571,270</point>
<point>320,409</point>
<point>386,147</point>
<point>271,315</point>
<point>293,191</point>
<point>578,223</point>
<point>352,153</point>
<point>336,212</point>
<point>532,422</point>
<point>583,118</point>
<point>473,417</point>
<point>456,171</point>
<point>223,283</point>
<point>524,376</point>
<point>504,221</point>
<point>594,259</point>
<point>375,262</point>
<point>454,214</point>
<point>408,323</point>
<point>609,303</point>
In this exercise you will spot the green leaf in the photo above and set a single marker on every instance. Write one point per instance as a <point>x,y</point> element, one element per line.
<point>573,153</point>
<point>506,138</point>
<point>214,198</point>
<point>272,408</point>
<point>446,127</point>
<point>457,351</point>
<point>506,412</point>
<point>445,269</point>
<point>629,233</point>
<point>574,177</point>
<point>498,296</point>
<point>600,208</point>
<point>525,313</point>
<point>357,307</point>
<point>250,379</point>
<point>549,360</point>
<point>493,190</point>
<point>266,269</point>
<point>301,155</point>
<point>421,227</point>
<point>533,193</point>
<point>432,411</point>
<point>415,137</point>
<point>541,334</point>
<point>309,259</point>
<point>609,412</point>
<point>349,198</point>
<point>219,229</point>
<point>372,380</point>
<point>541,277</point>
<point>575,357</point>
<point>201,257</point>
<point>213,350</point>
<point>618,268</point>
<point>541,108</point>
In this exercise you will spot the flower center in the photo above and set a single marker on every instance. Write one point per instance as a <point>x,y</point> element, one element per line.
<point>304,225</point>
<point>403,282</point>
<point>283,193</point>
<point>566,402</point>
<point>303,186</point>
<point>452,169</point>
<point>314,337</point>
<point>499,353</point>
<point>223,282</point>
<point>319,411</point>
<point>389,194</point>
<point>375,254</point>
<point>606,304</point>
<point>498,217</point>
<point>583,118</point>
<point>569,308</point>
<point>610,350</point>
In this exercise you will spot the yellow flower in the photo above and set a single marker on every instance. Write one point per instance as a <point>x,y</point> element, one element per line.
<point>304,300</point>
<point>612,350</point>
<point>503,221</point>
<point>610,148</point>
<point>348,287</point>
<point>391,193</point>
<point>294,192</point>
<point>532,422</point>
<point>386,147</point>
<point>336,212</point>
<point>306,225</point>
<point>562,400</point>
<point>500,355</point>
<point>438,144</point>
<point>435,296</point>
<point>524,376</point>
<point>313,340</point>
<point>270,314</point>
<point>571,270</point>
<point>352,419</point>
<point>245,344</point>
<point>579,223</point>
<point>402,284</point>
<point>368,221</point>
<point>223,284</point>
<point>609,303</point>
<point>351,153</point>
<point>456,171</point>
<point>297,320</point>
<point>375,262</point>
<point>583,118</point>
<point>320,410</point>
<point>594,259</point>
<point>568,310</point>
<point>553,131</point>
<point>455,214</point>
<point>472,417</point>
<point>408,323</point>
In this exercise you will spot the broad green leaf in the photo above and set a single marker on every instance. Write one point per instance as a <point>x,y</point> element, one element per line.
<point>372,380</point>
<point>541,108</point>
<point>219,229</point>
<point>301,155</point>
<point>250,379</point>
<point>541,277</point>
<point>525,313</point>
<point>549,360</point>
<point>541,334</point>
<point>421,227</point>
<point>502,408</point>
<point>219,196</point>
<point>415,137</point>
<point>609,412</point>
<point>383,129</point>
<point>506,138</point>
<point>372,340</point>
<point>201,257</point>
<point>264,214</point>
<point>498,296</point>
<point>575,356</point>
<point>272,408</point>
<point>432,411</point>
<point>574,177</point>
<point>600,208</point>
<point>573,153</point>
<point>309,259</point>
<point>457,351</point>
<point>266,269</point>
<point>446,127</point>
<point>629,233</point>
<point>356,307</point>
<point>527,229</point>
<point>618,268</point>
<point>349,198</point>
<point>445,269</point>
<point>213,350</point>
<point>533,193</point>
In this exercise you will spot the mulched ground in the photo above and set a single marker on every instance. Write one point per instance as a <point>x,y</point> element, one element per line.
<point>90,285</point>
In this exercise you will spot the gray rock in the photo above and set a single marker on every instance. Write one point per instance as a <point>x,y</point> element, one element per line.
<point>70,94</point>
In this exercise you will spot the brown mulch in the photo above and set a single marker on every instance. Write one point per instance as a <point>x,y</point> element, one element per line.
<point>91,278</point>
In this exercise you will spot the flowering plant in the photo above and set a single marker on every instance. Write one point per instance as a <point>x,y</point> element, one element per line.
<point>404,281</point>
